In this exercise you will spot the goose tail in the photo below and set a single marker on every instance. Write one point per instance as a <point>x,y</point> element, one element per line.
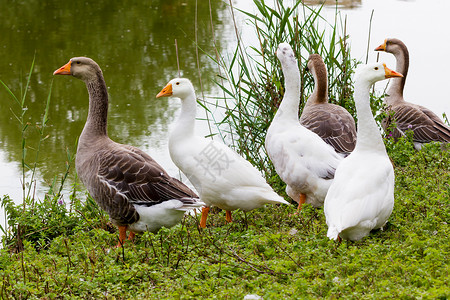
<point>189,203</point>
<point>332,233</point>
<point>278,200</point>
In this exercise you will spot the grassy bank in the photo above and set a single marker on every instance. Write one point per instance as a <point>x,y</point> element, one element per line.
<point>269,252</point>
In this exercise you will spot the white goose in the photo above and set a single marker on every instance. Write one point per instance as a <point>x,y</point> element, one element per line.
<point>300,157</point>
<point>221,176</point>
<point>361,197</point>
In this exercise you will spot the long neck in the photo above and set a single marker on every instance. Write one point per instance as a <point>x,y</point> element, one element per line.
<point>320,93</point>
<point>186,122</point>
<point>288,109</point>
<point>397,84</point>
<point>369,136</point>
<point>96,124</point>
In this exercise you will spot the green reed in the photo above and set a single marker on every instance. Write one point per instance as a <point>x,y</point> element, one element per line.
<point>29,219</point>
<point>26,166</point>
<point>252,81</point>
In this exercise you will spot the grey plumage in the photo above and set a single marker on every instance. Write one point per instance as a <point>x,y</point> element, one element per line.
<point>331,122</point>
<point>119,177</point>
<point>425,124</point>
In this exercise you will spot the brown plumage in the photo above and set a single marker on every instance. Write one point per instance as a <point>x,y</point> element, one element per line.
<point>425,124</point>
<point>331,122</point>
<point>123,179</point>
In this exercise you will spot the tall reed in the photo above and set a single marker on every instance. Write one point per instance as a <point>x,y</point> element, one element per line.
<point>32,217</point>
<point>252,80</point>
<point>29,166</point>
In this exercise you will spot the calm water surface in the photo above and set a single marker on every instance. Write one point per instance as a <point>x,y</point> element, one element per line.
<point>134,45</point>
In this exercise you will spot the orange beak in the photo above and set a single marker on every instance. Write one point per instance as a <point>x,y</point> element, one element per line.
<point>382,47</point>
<point>166,91</point>
<point>64,70</point>
<point>389,73</point>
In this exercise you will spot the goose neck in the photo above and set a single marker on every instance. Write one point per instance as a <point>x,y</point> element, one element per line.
<point>186,122</point>
<point>290,104</point>
<point>320,93</point>
<point>368,133</point>
<point>96,124</point>
<point>402,64</point>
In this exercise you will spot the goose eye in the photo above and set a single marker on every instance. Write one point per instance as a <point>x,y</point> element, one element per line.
<point>376,68</point>
<point>177,83</point>
<point>78,62</point>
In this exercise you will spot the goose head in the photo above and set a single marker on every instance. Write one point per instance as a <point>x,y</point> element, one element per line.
<point>82,68</point>
<point>317,67</point>
<point>177,87</point>
<point>285,54</point>
<point>313,61</point>
<point>391,45</point>
<point>375,72</point>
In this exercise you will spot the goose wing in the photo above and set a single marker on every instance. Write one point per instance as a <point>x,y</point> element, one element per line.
<point>131,177</point>
<point>425,124</point>
<point>333,124</point>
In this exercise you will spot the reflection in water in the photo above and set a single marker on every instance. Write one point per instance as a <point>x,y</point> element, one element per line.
<point>134,46</point>
<point>339,3</point>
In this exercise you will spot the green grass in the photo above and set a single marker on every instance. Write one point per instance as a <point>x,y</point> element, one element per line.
<point>273,254</point>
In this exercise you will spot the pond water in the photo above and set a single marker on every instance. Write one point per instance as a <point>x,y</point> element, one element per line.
<point>135,47</point>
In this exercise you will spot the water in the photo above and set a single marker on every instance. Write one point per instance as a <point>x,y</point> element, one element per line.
<point>135,47</point>
<point>421,26</point>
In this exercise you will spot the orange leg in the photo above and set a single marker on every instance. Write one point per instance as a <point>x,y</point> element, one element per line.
<point>131,236</point>
<point>122,235</point>
<point>228,216</point>
<point>301,202</point>
<point>205,211</point>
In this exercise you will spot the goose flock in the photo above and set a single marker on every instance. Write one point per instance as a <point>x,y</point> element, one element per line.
<point>323,157</point>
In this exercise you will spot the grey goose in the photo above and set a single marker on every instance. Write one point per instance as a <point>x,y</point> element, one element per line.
<point>333,123</point>
<point>126,182</point>
<point>425,124</point>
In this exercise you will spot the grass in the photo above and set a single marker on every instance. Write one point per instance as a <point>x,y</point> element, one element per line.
<point>26,217</point>
<point>56,250</point>
<point>269,252</point>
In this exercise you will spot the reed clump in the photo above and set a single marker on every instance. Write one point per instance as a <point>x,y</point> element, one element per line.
<point>252,81</point>
<point>39,221</point>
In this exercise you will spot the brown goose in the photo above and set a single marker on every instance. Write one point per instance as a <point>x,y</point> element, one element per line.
<point>425,124</point>
<point>331,122</point>
<point>127,183</point>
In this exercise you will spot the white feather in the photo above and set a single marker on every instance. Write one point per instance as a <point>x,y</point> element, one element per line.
<point>221,176</point>
<point>361,197</point>
<point>166,214</point>
<point>301,158</point>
